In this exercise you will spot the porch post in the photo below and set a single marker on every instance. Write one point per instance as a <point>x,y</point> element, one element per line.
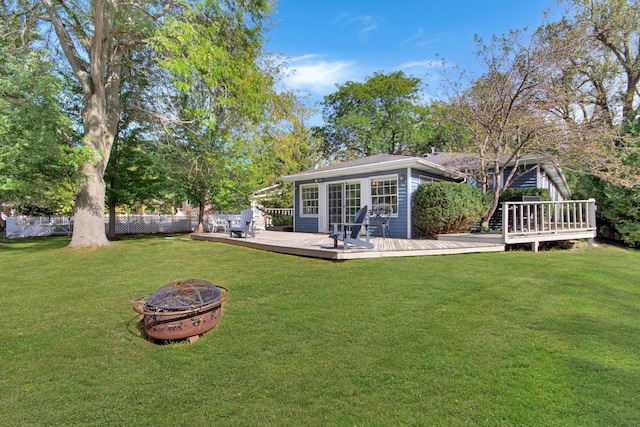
<point>505,221</point>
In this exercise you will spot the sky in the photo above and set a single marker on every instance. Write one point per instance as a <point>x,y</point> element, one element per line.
<point>330,42</point>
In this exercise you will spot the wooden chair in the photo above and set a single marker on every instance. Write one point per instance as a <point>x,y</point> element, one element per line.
<point>245,225</point>
<point>350,233</point>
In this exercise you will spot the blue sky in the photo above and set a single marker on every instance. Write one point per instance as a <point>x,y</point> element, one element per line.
<point>329,42</point>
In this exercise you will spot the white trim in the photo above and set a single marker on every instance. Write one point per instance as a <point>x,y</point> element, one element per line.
<point>323,219</point>
<point>374,167</point>
<point>365,192</point>
<point>300,212</point>
<point>409,182</point>
<point>382,178</point>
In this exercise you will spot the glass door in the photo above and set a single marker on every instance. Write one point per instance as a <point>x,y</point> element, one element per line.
<point>336,213</point>
<point>343,202</point>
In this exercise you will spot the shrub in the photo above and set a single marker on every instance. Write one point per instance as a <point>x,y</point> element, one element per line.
<point>516,194</point>
<point>282,220</point>
<point>446,207</point>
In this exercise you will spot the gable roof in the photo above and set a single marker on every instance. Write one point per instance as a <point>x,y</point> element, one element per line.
<point>467,161</point>
<point>372,164</point>
<point>448,164</point>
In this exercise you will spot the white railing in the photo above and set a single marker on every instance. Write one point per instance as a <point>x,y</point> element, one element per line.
<point>542,221</point>
<point>272,213</point>
<point>124,224</point>
<point>279,211</point>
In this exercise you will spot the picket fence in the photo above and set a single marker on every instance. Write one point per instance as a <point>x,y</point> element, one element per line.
<point>23,226</point>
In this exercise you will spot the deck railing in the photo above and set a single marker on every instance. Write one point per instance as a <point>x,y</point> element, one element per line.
<point>278,216</point>
<point>542,221</point>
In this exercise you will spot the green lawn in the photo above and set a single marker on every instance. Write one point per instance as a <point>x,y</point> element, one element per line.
<point>510,339</point>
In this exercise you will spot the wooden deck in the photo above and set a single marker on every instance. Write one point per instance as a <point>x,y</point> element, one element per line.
<point>321,246</point>
<point>538,221</point>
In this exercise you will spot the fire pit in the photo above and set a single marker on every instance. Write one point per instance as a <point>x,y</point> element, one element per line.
<point>182,309</point>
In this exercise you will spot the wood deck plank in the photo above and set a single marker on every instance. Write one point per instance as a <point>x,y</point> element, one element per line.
<point>318,245</point>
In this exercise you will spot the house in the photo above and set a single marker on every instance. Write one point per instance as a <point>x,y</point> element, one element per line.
<point>333,194</point>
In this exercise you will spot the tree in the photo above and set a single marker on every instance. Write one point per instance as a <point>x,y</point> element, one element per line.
<point>502,112</point>
<point>94,37</point>
<point>224,89</point>
<point>286,146</point>
<point>381,115</point>
<point>39,154</point>
<point>132,176</point>
<point>613,28</point>
<point>593,72</point>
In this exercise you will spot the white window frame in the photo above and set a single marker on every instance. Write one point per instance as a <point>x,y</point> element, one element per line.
<point>395,178</point>
<point>302,204</point>
<point>424,179</point>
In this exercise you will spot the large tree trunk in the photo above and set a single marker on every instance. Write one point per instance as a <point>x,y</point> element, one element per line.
<point>111,232</point>
<point>88,227</point>
<point>100,84</point>
<point>200,217</point>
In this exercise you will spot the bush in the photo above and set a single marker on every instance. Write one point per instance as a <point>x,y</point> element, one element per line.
<point>618,215</point>
<point>446,207</point>
<point>282,220</point>
<point>516,194</point>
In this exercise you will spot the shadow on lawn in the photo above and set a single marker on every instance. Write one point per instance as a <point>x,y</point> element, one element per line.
<point>34,244</point>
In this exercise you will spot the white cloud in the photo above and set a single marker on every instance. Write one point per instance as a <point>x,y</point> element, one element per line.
<point>426,64</point>
<point>317,76</point>
<point>417,35</point>
<point>365,23</point>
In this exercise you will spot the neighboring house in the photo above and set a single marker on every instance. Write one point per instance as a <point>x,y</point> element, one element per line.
<point>334,193</point>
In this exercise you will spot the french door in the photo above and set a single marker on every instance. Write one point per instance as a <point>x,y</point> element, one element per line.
<point>343,202</point>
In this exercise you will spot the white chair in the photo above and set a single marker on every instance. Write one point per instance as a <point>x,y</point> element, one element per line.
<point>214,223</point>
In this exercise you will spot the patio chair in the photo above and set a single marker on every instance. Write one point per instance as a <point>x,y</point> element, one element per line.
<point>214,223</point>
<point>381,215</point>
<point>244,225</point>
<point>350,233</point>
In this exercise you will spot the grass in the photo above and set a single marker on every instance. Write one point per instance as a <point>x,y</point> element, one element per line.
<point>512,338</point>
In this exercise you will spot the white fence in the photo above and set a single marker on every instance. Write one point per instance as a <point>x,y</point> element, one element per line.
<point>125,224</point>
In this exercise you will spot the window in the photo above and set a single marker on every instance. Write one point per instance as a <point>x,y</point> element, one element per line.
<point>308,200</point>
<point>385,191</point>
<point>423,179</point>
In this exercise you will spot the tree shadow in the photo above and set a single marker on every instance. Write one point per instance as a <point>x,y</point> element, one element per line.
<point>34,244</point>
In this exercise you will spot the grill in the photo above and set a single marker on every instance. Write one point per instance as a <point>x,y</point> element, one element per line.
<point>182,309</point>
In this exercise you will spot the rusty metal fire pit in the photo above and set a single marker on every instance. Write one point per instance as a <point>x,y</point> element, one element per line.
<point>182,309</point>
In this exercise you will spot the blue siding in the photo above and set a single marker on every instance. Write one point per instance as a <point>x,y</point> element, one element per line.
<point>300,224</point>
<point>397,225</point>
<point>527,180</point>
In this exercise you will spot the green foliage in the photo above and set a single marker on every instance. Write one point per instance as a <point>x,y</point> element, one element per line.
<point>516,194</point>
<point>282,220</point>
<point>421,341</point>
<point>132,176</point>
<point>40,157</point>
<point>446,207</point>
<point>381,115</point>
<point>224,97</point>
<point>618,213</point>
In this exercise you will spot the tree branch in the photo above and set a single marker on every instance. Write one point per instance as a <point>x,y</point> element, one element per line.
<point>69,49</point>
